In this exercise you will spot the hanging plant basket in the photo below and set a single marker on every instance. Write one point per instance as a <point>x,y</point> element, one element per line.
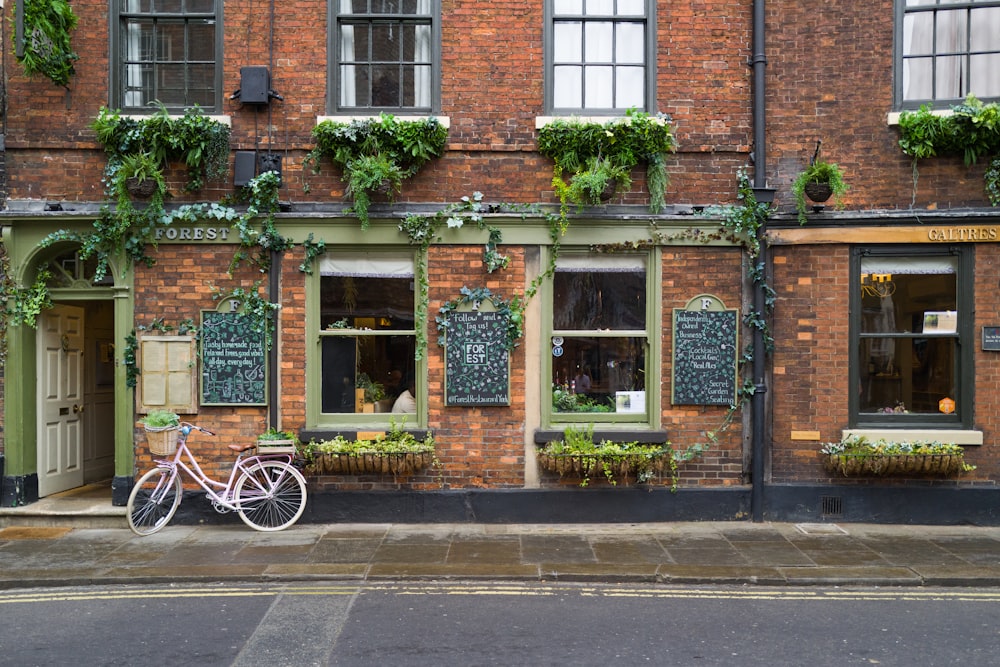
<point>818,192</point>
<point>140,189</point>
<point>895,464</point>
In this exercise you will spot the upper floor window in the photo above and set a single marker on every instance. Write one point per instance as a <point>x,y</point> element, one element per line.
<point>946,50</point>
<point>599,55</point>
<point>385,55</point>
<point>912,338</point>
<point>600,339</point>
<point>167,51</point>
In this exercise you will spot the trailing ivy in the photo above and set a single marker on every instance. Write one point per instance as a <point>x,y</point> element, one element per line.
<point>376,153</point>
<point>971,131</point>
<point>48,27</point>
<point>259,311</point>
<point>515,320</point>
<point>592,155</point>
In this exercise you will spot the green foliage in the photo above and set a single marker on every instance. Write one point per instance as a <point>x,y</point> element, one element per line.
<point>161,419</point>
<point>818,172</point>
<point>515,320</point>
<point>377,153</point>
<point>48,51</point>
<point>564,400</point>
<point>395,441</point>
<point>273,434</point>
<point>593,154</point>
<point>374,391</point>
<point>578,454</point>
<point>262,195</point>
<point>971,131</point>
<point>258,310</point>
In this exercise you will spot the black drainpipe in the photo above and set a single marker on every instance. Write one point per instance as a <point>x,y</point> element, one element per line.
<point>273,293</point>
<point>759,62</point>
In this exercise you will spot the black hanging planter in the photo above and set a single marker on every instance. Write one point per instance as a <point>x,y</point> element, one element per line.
<point>818,192</point>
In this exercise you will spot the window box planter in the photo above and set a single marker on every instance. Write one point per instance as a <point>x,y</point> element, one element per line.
<point>372,463</point>
<point>273,441</point>
<point>855,465</point>
<point>858,456</point>
<point>577,455</point>
<point>394,453</point>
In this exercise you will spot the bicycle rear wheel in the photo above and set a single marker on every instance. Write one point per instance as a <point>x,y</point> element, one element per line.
<point>153,501</point>
<point>270,495</point>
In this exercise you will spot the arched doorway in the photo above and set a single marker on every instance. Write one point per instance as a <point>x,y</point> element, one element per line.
<point>75,362</point>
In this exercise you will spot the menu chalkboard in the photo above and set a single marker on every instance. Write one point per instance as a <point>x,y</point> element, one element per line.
<point>705,357</point>
<point>233,360</point>
<point>477,362</point>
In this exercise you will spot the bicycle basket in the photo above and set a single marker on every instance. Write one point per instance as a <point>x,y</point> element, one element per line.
<point>163,440</point>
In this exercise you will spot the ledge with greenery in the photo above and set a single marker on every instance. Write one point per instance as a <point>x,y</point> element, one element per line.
<point>971,130</point>
<point>376,154</point>
<point>577,455</point>
<point>598,158</point>
<point>858,456</point>
<point>396,452</point>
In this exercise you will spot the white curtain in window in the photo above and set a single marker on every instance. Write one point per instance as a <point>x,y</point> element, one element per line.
<point>909,265</point>
<point>984,35</point>
<point>422,75</point>
<point>348,73</point>
<point>133,54</point>
<point>367,265</point>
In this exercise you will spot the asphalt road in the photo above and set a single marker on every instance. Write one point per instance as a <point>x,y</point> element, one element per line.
<point>497,624</point>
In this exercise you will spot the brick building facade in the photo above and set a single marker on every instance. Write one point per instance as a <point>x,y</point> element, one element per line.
<point>495,74</point>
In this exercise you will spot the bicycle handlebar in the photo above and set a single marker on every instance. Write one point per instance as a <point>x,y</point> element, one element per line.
<point>190,426</point>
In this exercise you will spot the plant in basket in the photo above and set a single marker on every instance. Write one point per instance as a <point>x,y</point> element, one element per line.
<point>161,431</point>
<point>819,181</point>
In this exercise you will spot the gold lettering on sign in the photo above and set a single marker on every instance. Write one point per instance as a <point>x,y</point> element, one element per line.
<point>951,234</point>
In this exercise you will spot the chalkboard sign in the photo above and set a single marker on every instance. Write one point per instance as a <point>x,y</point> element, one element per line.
<point>477,362</point>
<point>705,357</point>
<point>233,360</point>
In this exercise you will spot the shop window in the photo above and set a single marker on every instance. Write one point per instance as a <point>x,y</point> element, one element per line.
<point>912,338</point>
<point>386,54</point>
<point>946,50</point>
<point>599,339</point>
<point>598,55</point>
<point>167,52</point>
<point>367,337</point>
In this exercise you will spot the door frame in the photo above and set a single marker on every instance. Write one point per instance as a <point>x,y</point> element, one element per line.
<point>20,481</point>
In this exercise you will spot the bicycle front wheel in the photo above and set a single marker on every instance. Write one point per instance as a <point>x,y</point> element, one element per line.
<point>270,495</point>
<point>153,501</point>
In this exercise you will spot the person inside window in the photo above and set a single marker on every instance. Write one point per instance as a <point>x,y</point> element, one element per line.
<point>406,402</point>
<point>581,383</point>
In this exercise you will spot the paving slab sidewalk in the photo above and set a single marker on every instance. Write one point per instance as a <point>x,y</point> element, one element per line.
<point>664,553</point>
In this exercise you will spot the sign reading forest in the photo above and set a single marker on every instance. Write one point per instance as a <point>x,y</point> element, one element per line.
<point>704,365</point>
<point>233,360</point>
<point>477,362</point>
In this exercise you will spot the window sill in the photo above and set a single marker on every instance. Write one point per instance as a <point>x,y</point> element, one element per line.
<point>542,121</point>
<point>646,437</point>
<point>966,438</point>
<point>347,118</point>
<point>892,119</point>
<point>218,118</point>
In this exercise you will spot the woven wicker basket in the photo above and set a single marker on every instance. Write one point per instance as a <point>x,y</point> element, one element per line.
<point>162,440</point>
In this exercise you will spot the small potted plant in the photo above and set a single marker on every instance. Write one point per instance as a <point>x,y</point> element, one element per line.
<point>273,441</point>
<point>819,181</point>
<point>161,431</point>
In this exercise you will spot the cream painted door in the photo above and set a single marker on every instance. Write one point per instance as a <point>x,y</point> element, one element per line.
<point>60,399</point>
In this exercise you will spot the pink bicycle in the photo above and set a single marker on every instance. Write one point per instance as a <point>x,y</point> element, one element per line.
<point>266,491</point>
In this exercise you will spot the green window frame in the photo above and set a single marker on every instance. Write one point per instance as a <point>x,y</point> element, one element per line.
<point>601,351</point>
<point>168,52</point>
<point>361,328</point>
<point>944,50</point>
<point>600,56</point>
<point>911,337</point>
<point>385,56</point>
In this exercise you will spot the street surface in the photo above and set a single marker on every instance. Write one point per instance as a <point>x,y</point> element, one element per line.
<point>497,624</point>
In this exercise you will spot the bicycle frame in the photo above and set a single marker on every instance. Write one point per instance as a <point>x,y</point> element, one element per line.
<point>224,496</point>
